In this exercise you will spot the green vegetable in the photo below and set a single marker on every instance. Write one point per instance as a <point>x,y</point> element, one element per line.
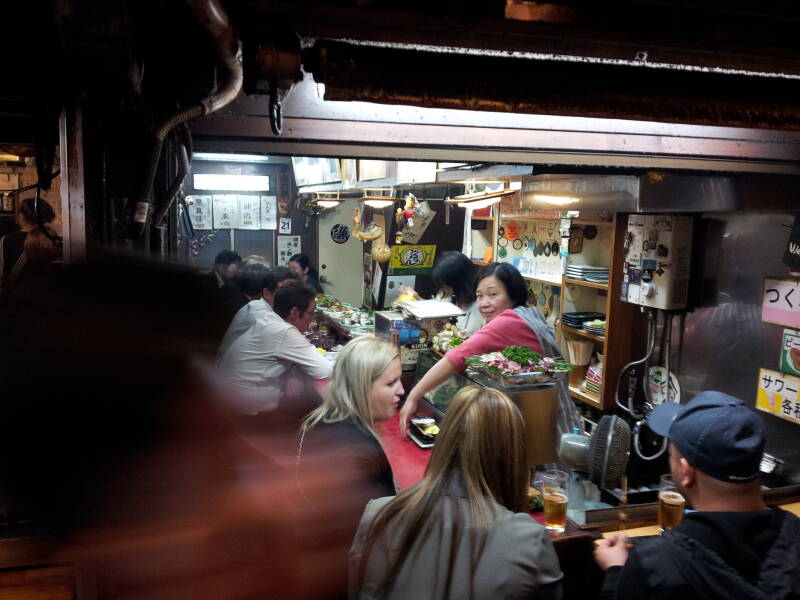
<point>455,342</point>
<point>522,355</point>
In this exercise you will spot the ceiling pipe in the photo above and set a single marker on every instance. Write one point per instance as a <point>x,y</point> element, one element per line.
<point>212,16</point>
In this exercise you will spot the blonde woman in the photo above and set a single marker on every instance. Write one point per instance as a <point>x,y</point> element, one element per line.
<point>463,531</point>
<point>341,464</point>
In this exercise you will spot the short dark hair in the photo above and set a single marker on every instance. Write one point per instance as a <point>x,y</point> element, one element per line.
<point>29,208</point>
<point>296,293</point>
<point>456,271</point>
<point>226,258</point>
<point>509,276</point>
<point>282,273</point>
<point>253,278</point>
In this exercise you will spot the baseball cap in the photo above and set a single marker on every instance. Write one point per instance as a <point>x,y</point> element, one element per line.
<point>716,433</point>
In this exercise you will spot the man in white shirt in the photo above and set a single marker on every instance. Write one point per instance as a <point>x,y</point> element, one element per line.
<point>259,362</point>
<point>259,284</point>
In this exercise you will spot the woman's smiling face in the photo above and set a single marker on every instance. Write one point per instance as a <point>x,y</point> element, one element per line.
<point>492,298</point>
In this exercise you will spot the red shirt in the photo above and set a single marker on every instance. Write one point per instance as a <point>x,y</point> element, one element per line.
<point>506,329</point>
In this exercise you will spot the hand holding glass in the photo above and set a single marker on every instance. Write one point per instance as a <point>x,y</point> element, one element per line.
<point>670,504</point>
<point>553,485</point>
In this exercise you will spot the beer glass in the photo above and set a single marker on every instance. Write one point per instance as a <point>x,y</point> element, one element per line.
<point>553,485</point>
<point>670,504</point>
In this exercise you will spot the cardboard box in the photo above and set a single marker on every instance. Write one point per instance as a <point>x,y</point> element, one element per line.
<point>410,335</point>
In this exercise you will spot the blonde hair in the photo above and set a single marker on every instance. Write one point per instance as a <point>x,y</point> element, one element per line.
<point>348,398</point>
<point>480,455</point>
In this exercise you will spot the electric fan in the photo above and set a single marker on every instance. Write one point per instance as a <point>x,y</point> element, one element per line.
<point>603,455</point>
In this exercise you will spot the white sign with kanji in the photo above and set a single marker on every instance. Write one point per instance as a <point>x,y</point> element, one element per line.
<point>249,212</point>
<point>226,211</point>
<point>777,394</point>
<point>200,211</point>
<point>780,303</point>
<point>269,212</point>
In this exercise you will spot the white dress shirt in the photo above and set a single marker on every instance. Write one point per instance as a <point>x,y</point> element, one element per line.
<point>242,321</point>
<point>258,359</point>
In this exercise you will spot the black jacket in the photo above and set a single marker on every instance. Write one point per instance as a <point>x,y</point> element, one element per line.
<point>715,555</point>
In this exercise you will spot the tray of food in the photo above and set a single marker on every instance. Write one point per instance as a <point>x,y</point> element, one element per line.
<point>518,365</point>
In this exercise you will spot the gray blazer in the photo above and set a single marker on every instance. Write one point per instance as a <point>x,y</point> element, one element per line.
<point>518,560</point>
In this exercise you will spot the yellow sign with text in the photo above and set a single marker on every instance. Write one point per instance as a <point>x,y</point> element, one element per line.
<point>778,395</point>
<point>411,260</point>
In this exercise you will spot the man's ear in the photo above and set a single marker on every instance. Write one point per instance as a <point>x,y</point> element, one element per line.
<point>687,476</point>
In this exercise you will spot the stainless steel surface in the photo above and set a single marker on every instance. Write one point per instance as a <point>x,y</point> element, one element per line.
<point>722,344</point>
<point>593,192</point>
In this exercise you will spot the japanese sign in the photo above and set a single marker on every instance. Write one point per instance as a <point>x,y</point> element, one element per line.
<point>411,260</point>
<point>249,212</point>
<point>790,352</point>
<point>777,394</point>
<point>288,246</point>
<point>226,211</point>
<point>780,303</point>
<point>791,255</point>
<point>200,211</point>
<point>340,233</point>
<point>269,207</point>
<point>286,226</point>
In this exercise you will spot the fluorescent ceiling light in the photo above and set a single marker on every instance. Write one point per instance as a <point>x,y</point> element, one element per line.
<point>555,200</point>
<point>234,183</point>
<point>9,157</point>
<point>230,157</point>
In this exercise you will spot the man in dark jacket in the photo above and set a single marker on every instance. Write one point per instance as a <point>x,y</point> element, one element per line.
<point>733,546</point>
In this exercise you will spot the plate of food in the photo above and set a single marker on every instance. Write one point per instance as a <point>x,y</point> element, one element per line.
<point>518,365</point>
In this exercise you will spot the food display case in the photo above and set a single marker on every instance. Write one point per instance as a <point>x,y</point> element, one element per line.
<point>536,400</point>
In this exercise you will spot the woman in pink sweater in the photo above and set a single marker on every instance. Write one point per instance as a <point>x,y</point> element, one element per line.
<point>501,295</point>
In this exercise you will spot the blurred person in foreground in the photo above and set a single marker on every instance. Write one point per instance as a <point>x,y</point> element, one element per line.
<point>463,531</point>
<point>733,546</point>
<point>118,450</point>
<point>339,439</point>
<point>270,364</point>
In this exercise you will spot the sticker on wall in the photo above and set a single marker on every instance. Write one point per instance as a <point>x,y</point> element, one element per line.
<point>777,395</point>
<point>659,391</point>
<point>780,303</point>
<point>340,233</point>
<point>285,226</point>
<point>790,352</point>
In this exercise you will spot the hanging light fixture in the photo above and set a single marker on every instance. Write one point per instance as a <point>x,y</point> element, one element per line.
<point>327,199</point>
<point>479,199</point>
<point>378,197</point>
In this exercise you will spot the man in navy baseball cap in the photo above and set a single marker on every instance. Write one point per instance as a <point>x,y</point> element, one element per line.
<point>733,545</point>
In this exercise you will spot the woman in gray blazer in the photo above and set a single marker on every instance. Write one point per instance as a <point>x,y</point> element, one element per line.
<point>463,531</point>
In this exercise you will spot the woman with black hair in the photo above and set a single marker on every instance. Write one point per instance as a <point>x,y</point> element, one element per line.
<point>454,276</point>
<point>501,295</point>
<point>301,267</point>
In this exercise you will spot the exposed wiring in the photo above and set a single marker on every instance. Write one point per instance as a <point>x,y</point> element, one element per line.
<point>651,338</point>
<point>637,447</point>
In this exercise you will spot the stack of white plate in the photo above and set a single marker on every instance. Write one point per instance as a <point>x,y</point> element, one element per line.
<point>589,273</point>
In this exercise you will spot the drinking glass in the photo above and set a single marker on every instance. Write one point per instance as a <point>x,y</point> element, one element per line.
<point>670,504</point>
<point>553,485</point>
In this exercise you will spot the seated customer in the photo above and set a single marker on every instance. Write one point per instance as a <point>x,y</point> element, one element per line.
<point>258,283</point>
<point>341,464</point>
<point>734,546</point>
<point>463,531</point>
<point>258,361</point>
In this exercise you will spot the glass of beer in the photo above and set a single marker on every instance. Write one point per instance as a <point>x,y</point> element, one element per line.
<point>553,485</point>
<point>670,504</point>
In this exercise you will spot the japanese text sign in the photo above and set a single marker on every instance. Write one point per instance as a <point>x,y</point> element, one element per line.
<point>411,260</point>
<point>777,394</point>
<point>780,303</point>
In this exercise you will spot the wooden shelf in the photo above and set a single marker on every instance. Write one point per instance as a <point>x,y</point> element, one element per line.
<point>484,218</point>
<point>585,396</point>
<point>581,332</point>
<point>597,286</point>
<point>543,279</point>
